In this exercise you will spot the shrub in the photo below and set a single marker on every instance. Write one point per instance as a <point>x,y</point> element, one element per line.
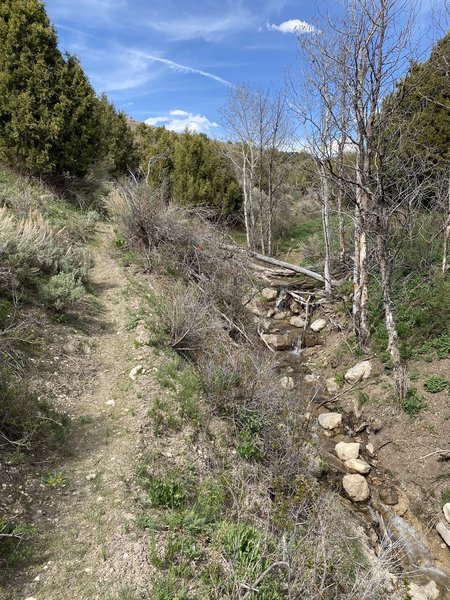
<point>436,384</point>
<point>183,243</point>
<point>62,291</point>
<point>25,420</point>
<point>30,248</point>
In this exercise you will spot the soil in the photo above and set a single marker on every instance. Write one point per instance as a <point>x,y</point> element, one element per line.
<point>83,511</point>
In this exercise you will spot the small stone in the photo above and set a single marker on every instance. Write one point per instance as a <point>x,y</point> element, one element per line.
<point>110,403</point>
<point>269,293</point>
<point>375,425</point>
<point>91,476</point>
<point>359,372</point>
<point>423,592</point>
<point>356,487</point>
<point>318,324</point>
<point>444,532</point>
<point>370,448</point>
<point>347,450</point>
<point>330,420</point>
<point>446,511</point>
<point>279,316</point>
<point>356,465</point>
<point>389,496</point>
<point>287,383</point>
<point>311,378</point>
<point>135,371</point>
<point>270,313</point>
<point>332,386</point>
<point>297,322</point>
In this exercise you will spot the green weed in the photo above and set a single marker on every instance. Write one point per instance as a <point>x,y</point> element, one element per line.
<point>413,403</point>
<point>436,384</point>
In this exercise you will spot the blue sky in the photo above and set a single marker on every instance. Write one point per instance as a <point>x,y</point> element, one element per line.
<point>172,61</point>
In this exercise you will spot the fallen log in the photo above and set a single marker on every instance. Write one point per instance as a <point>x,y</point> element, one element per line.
<point>280,263</point>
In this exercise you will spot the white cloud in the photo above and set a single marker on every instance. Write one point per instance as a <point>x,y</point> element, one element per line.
<point>210,28</point>
<point>180,120</point>
<point>294,26</point>
<point>181,68</point>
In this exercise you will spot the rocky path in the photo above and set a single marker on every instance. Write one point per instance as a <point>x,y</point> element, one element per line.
<point>92,549</point>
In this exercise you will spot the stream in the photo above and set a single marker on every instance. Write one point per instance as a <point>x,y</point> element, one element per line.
<point>386,514</point>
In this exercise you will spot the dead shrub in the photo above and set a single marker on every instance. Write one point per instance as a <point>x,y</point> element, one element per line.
<point>187,320</point>
<point>182,242</point>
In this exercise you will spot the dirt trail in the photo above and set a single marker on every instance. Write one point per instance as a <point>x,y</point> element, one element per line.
<point>94,550</point>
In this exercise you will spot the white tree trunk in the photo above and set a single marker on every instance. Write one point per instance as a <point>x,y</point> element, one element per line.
<point>325,201</point>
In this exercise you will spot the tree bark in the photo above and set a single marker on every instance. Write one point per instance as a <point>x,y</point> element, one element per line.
<point>398,368</point>
<point>325,201</point>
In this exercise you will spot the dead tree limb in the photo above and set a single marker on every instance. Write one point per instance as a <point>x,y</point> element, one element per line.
<point>279,263</point>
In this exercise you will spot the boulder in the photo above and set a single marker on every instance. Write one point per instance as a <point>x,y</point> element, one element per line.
<point>332,386</point>
<point>297,322</point>
<point>423,592</point>
<point>269,294</point>
<point>356,487</point>
<point>347,450</point>
<point>330,420</point>
<point>356,465</point>
<point>318,324</point>
<point>270,313</point>
<point>278,342</point>
<point>444,532</point>
<point>135,371</point>
<point>287,383</point>
<point>359,372</point>
<point>446,511</point>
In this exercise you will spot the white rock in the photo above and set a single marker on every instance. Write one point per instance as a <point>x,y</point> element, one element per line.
<point>279,316</point>
<point>347,450</point>
<point>330,420</point>
<point>110,403</point>
<point>311,378</point>
<point>446,511</point>
<point>359,372</point>
<point>270,313</point>
<point>269,293</point>
<point>318,324</point>
<point>356,487</point>
<point>444,532</point>
<point>332,386</point>
<point>423,592</point>
<point>297,321</point>
<point>135,371</point>
<point>287,383</point>
<point>370,448</point>
<point>278,342</point>
<point>356,465</point>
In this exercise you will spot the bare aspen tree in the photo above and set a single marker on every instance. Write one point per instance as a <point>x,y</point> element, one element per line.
<point>238,115</point>
<point>315,104</point>
<point>259,126</point>
<point>363,51</point>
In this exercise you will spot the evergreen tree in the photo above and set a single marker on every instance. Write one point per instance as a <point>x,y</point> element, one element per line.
<point>201,175</point>
<point>76,148</point>
<point>30,68</point>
